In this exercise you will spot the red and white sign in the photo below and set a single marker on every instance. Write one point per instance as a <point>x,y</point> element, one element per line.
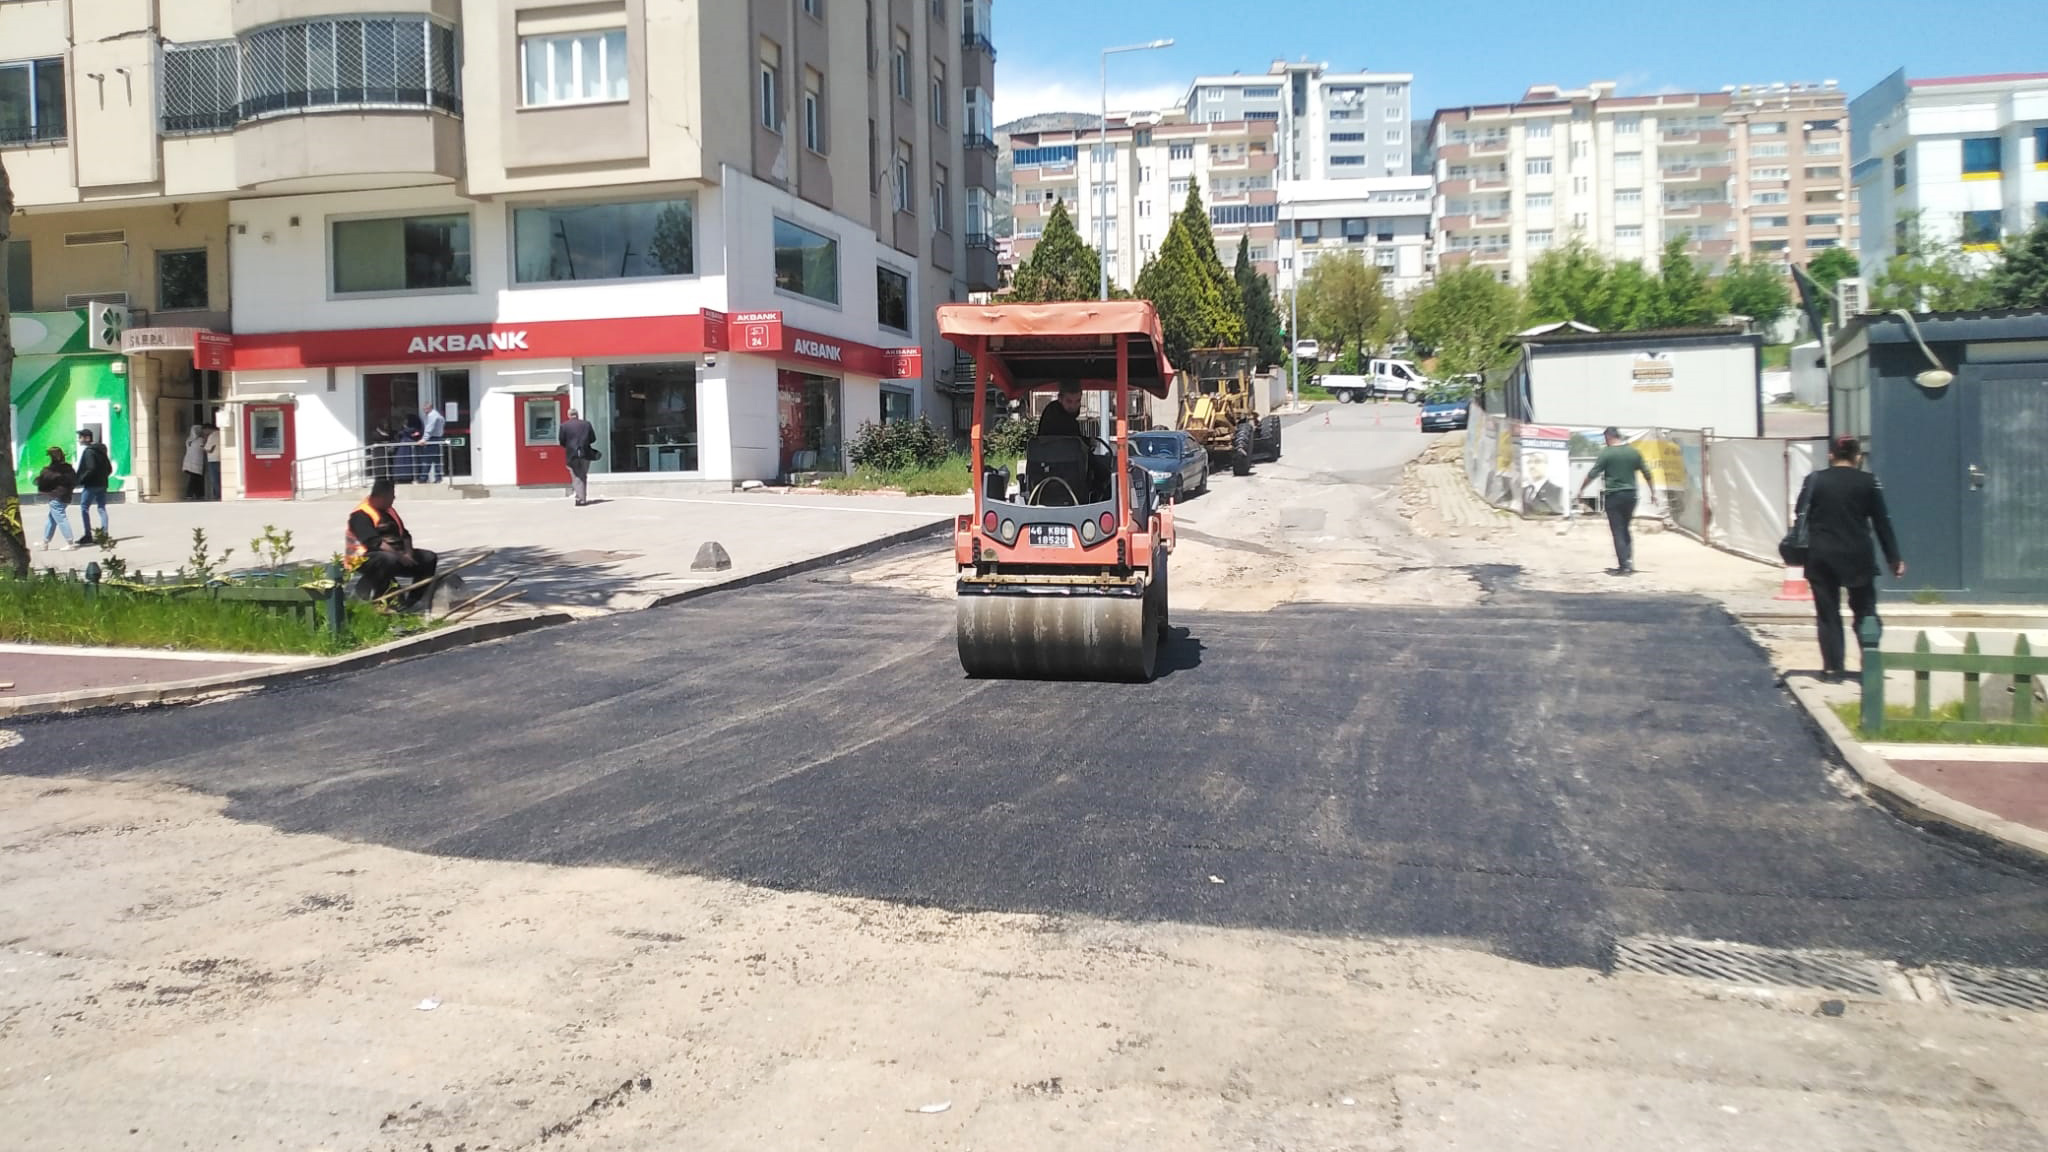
<point>756,331</point>
<point>212,351</point>
<point>902,363</point>
<point>717,330</point>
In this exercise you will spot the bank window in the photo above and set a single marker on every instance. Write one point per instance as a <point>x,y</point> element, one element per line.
<point>806,262</point>
<point>576,68</point>
<point>897,405</point>
<point>1981,230</point>
<point>609,241</point>
<point>32,101</point>
<point>402,254</point>
<point>892,299</point>
<point>266,432</point>
<point>181,281</point>
<point>1983,158</point>
<point>646,419</point>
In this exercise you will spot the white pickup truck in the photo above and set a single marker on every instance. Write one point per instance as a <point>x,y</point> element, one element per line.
<point>1382,378</point>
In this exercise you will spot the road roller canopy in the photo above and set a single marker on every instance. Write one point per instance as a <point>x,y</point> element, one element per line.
<point>1038,347</point>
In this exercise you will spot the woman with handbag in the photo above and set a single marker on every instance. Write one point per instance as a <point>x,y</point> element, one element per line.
<point>1841,505</point>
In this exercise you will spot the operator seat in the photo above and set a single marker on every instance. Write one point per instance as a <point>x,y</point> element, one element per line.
<point>1056,471</point>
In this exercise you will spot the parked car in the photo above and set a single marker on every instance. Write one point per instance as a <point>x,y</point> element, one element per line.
<point>1447,408</point>
<point>1177,461</point>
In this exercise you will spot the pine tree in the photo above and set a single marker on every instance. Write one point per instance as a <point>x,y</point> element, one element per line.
<point>2021,278</point>
<point>1261,315</point>
<point>1685,297</point>
<point>1061,267</point>
<point>1632,298</point>
<point>1832,267</point>
<point>1194,220</point>
<point>1571,283</point>
<point>1193,312</point>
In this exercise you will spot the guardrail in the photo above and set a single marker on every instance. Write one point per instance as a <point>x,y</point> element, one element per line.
<point>316,604</point>
<point>1973,664</point>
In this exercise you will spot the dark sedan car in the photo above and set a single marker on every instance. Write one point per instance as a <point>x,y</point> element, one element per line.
<point>1446,415</point>
<point>1178,464</point>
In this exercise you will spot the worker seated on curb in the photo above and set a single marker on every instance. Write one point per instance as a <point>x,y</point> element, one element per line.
<point>1061,452</point>
<point>380,549</point>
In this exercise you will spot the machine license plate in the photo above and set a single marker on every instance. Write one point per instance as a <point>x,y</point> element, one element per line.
<point>1052,536</point>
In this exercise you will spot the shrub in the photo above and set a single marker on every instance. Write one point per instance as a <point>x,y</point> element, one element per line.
<point>1005,441</point>
<point>901,446</point>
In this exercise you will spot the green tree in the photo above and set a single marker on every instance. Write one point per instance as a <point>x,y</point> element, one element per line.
<point>1757,290</point>
<point>1926,275</point>
<point>13,541</point>
<point>1194,220</point>
<point>1467,317</point>
<point>1061,267</point>
<point>1685,297</point>
<point>1632,298</point>
<point>1571,283</point>
<point>1832,267</point>
<point>2021,278</point>
<point>1261,315</point>
<point>1193,311</point>
<point>1342,302</point>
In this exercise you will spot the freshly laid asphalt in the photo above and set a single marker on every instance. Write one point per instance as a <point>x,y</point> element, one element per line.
<point>1535,775</point>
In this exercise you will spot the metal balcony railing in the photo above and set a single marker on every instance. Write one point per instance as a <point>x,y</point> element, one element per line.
<point>971,40</point>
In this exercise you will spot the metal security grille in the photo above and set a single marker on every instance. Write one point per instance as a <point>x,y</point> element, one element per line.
<point>199,87</point>
<point>1757,967</point>
<point>1993,987</point>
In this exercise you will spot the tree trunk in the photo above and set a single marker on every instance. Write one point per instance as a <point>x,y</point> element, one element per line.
<point>13,541</point>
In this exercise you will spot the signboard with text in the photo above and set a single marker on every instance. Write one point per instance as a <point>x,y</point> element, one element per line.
<point>756,331</point>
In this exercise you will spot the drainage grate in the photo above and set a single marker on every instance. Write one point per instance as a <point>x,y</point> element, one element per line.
<point>1993,987</point>
<point>1744,964</point>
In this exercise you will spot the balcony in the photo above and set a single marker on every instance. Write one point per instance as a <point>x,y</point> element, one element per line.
<point>1458,187</point>
<point>1697,174</point>
<point>979,142</point>
<point>983,269</point>
<point>1494,180</point>
<point>1492,146</point>
<point>974,41</point>
<point>1490,255</point>
<point>1491,220</point>
<point>978,161</point>
<point>1458,223</point>
<point>1453,153</point>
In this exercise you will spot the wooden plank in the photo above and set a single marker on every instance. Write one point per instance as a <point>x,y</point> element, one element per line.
<point>489,604</point>
<point>268,595</point>
<point>492,590</point>
<point>436,578</point>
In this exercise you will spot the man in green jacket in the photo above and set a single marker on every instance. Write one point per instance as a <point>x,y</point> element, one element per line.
<point>1620,463</point>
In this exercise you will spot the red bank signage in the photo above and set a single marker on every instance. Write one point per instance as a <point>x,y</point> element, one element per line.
<point>756,331</point>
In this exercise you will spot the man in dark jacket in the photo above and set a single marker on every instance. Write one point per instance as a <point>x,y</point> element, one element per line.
<point>95,468</point>
<point>1062,417</point>
<point>1844,504</point>
<point>381,548</point>
<point>578,440</point>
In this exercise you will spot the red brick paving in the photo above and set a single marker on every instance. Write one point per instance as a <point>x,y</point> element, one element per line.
<point>39,675</point>
<point>2016,792</point>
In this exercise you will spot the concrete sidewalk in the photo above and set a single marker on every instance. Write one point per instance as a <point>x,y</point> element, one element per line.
<point>616,554</point>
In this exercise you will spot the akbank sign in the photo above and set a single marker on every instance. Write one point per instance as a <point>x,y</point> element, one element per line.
<point>510,341</point>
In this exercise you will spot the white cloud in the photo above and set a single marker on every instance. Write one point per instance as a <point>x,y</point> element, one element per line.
<point>1022,93</point>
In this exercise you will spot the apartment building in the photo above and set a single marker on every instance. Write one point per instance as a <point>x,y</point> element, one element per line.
<point>1386,221</point>
<point>717,229</point>
<point>1790,171</point>
<point>1624,174</point>
<point>1334,125</point>
<point>1966,157</point>
<point>1124,187</point>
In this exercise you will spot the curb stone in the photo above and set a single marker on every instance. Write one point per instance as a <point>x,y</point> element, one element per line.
<point>1913,801</point>
<point>184,691</point>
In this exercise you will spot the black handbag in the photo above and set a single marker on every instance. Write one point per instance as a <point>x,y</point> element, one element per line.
<point>592,454</point>
<point>1792,549</point>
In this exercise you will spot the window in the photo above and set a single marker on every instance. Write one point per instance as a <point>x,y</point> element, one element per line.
<point>1981,230</point>
<point>900,64</point>
<point>1540,239</point>
<point>1145,173</point>
<point>980,113</point>
<point>874,159</point>
<point>1824,172</point>
<point>1629,232</point>
<point>1774,221</point>
<point>814,111</point>
<point>401,254</point>
<point>1309,231</point>
<point>941,198</point>
<point>32,101</point>
<point>1628,125</point>
<point>1386,258</point>
<point>1770,173</point>
<point>18,275</point>
<point>939,97</point>
<point>1212,93</point>
<point>1267,114</point>
<point>1346,161</point>
<point>1391,112</point>
<point>1187,151</point>
<point>575,68</point>
<point>1538,167</point>
<point>806,262</point>
<point>811,6</point>
<point>1177,187</point>
<point>1343,114</point>
<point>981,214</point>
<point>1540,202</point>
<point>905,201</point>
<point>1823,125</point>
<point>1824,148</point>
<point>1054,156</point>
<point>1768,128</point>
<point>1982,158</point>
<point>1262,93</point>
<point>180,281</point>
<point>1395,135</point>
<point>645,416</point>
<point>1769,197</point>
<point>1824,220</point>
<point>1259,254</point>
<point>1769,246</point>
<point>868,27</point>
<point>771,85</point>
<point>616,240</point>
<point>1354,231</point>
<point>1581,184</point>
<point>1822,242</point>
<point>974,19</point>
<point>1769,151</point>
<point>892,299</point>
<point>2041,147</point>
<point>200,87</point>
<point>2040,215</point>
<point>1244,213</point>
<point>381,61</point>
<point>1102,154</point>
<point>1580,149</point>
<point>1629,196</point>
<point>1347,137</point>
<point>1392,91</point>
<point>1899,170</point>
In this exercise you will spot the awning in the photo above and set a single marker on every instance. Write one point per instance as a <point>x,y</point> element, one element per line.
<point>210,350</point>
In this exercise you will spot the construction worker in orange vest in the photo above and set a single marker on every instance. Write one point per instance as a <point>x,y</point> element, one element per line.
<point>380,549</point>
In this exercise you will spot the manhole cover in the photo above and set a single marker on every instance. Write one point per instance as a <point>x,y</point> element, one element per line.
<point>1994,987</point>
<point>1745,964</point>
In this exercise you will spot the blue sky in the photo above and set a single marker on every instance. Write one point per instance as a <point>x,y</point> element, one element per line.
<point>1485,51</point>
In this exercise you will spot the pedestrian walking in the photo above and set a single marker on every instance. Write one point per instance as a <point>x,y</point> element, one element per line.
<point>579,443</point>
<point>1844,505</point>
<point>195,463</point>
<point>212,462</point>
<point>57,481</point>
<point>1618,465</point>
<point>434,430</point>
<point>95,471</point>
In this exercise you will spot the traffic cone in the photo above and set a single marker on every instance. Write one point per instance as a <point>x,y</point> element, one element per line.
<point>1795,586</point>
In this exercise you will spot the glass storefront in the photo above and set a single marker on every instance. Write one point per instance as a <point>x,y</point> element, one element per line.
<point>645,416</point>
<point>808,416</point>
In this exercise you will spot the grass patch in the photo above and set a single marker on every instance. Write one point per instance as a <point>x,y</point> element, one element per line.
<point>1316,392</point>
<point>950,477</point>
<point>1777,357</point>
<point>43,610</point>
<point>1944,726</point>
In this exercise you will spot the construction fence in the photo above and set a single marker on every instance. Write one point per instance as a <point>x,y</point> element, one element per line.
<point>1733,493</point>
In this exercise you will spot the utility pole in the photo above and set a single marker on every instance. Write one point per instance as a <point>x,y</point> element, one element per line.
<point>1097,168</point>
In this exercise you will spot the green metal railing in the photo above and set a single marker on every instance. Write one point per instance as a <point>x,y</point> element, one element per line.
<point>1972,663</point>
<point>315,603</point>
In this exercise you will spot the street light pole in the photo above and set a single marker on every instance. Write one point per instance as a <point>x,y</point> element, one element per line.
<point>1102,145</point>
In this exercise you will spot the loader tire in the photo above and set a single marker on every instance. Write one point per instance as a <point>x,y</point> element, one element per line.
<point>1242,445</point>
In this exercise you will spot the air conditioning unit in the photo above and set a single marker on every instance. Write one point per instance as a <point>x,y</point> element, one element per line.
<point>1849,299</point>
